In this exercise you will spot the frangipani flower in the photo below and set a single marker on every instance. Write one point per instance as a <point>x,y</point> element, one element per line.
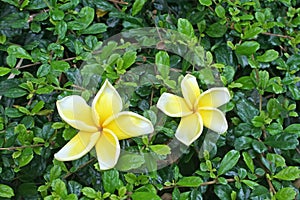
<point>196,110</point>
<point>101,126</point>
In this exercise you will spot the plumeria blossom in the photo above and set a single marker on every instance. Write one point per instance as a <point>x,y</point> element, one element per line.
<point>101,126</point>
<point>195,109</point>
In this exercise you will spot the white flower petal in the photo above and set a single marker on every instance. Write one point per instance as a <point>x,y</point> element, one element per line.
<point>108,150</point>
<point>190,90</point>
<point>214,97</point>
<point>76,112</point>
<point>128,124</point>
<point>189,128</point>
<point>78,146</point>
<point>106,103</point>
<point>213,119</point>
<point>173,106</point>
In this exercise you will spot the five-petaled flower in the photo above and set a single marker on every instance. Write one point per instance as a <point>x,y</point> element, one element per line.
<point>101,126</point>
<point>196,110</point>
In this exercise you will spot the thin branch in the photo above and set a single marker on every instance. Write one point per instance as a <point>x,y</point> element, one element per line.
<point>80,167</point>
<point>229,180</point>
<point>38,63</point>
<point>21,147</point>
<point>278,35</point>
<point>272,189</point>
<point>119,2</point>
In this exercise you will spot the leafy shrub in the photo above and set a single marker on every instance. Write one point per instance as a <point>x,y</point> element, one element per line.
<point>252,45</point>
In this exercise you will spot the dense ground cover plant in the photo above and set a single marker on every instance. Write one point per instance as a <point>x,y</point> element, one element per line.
<point>252,45</point>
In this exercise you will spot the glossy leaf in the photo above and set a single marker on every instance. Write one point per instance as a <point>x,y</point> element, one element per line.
<point>229,161</point>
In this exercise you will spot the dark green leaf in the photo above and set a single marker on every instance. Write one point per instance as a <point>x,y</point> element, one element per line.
<point>283,141</point>
<point>229,161</point>
<point>95,29</point>
<point>216,30</point>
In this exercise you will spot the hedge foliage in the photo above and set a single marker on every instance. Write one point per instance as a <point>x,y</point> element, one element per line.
<point>252,45</point>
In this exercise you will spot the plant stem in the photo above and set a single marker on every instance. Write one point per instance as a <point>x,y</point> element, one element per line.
<point>21,147</point>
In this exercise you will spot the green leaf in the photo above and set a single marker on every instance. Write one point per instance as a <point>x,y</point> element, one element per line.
<point>60,66</point>
<point>6,191</point>
<point>128,161</point>
<point>185,27</point>
<point>228,162</point>
<point>287,193</point>
<point>137,6</point>
<point>60,188</point>
<point>293,128</point>
<point>129,58</point>
<point>252,32</point>
<point>205,2</point>
<point>290,173</point>
<point>160,149</point>
<point>247,48</point>
<point>220,11</point>
<point>18,52</point>
<point>37,107</point>
<point>190,181</point>
<point>85,18</point>
<point>249,183</point>
<point>15,93</point>
<point>247,82</point>
<point>57,14</point>
<point>89,192</point>
<point>25,157</point>
<point>95,29</point>
<point>273,108</point>
<point>283,141</point>
<point>259,146</point>
<point>145,195</point>
<point>111,180</point>
<point>221,30</point>
<point>277,159</point>
<point>249,161</point>
<point>4,71</point>
<point>55,172</point>
<point>269,56</point>
<point>162,61</point>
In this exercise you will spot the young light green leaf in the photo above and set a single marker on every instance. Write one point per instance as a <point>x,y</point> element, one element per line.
<point>205,2</point>
<point>185,27</point>
<point>160,149</point>
<point>162,61</point>
<point>128,161</point>
<point>287,193</point>
<point>248,160</point>
<point>229,161</point>
<point>269,56</point>
<point>145,195</point>
<point>220,11</point>
<point>4,71</point>
<point>290,173</point>
<point>137,6</point>
<point>6,191</point>
<point>190,181</point>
